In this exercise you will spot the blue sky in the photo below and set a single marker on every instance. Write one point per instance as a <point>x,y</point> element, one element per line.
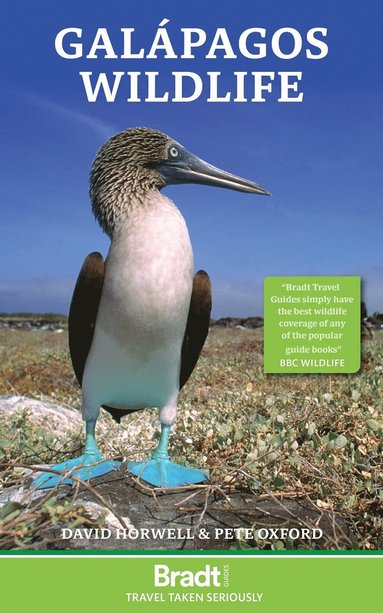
<point>321,159</point>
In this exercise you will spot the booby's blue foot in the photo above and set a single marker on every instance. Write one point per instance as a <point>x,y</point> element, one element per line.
<point>164,473</point>
<point>161,472</point>
<point>89,465</point>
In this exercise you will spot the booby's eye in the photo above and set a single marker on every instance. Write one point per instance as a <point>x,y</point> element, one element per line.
<point>173,152</point>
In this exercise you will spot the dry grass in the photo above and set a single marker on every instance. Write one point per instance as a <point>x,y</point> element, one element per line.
<point>317,436</point>
<point>37,364</point>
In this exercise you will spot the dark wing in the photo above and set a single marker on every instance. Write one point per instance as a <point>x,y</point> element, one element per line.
<point>197,326</point>
<point>82,317</point>
<point>83,310</point>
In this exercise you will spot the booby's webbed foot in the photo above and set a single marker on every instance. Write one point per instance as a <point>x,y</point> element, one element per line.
<point>161,472</point>
<point>164,473</point>
<point>88,467</point>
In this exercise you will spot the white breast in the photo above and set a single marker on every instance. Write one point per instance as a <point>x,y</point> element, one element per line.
<point>134,360</point>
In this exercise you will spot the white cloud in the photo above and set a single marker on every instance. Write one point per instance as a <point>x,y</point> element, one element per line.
<point>230,297</point>
<point>237,298</point>
<point>50,295</point>
<point>100,127</point>
<point>372,290</point>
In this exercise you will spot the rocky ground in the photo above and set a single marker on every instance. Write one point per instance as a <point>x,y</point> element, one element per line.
<point>117,511</point>
<point>30,322</point>
<point>59,323</point>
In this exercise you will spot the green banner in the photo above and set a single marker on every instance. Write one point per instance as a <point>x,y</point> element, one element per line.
<point>209,583</point>
<point>312,324</point>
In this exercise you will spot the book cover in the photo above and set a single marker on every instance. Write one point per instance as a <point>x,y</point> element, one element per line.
<point>189,147</point>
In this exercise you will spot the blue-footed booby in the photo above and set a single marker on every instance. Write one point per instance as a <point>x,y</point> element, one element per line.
<point>138,322</point>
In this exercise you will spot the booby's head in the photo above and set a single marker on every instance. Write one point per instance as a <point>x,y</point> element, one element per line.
<point>139,160</point>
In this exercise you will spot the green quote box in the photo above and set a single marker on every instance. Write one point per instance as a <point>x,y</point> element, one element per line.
<point>312,324</point>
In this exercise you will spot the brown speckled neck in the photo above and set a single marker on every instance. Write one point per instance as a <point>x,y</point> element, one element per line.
<point>123,174</point>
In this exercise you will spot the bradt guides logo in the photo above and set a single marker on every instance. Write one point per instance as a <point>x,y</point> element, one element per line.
<point>184,585</point>
<point>164,577</point>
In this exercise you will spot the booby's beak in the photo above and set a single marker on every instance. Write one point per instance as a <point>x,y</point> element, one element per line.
<point>184,167</point>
